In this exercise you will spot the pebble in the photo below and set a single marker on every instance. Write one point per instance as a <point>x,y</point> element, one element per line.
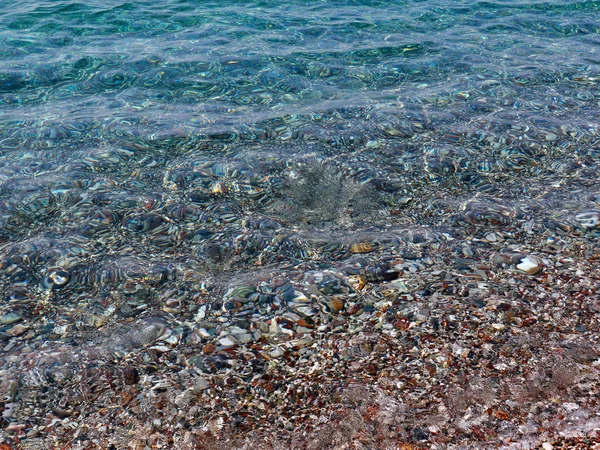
<point>227,342</point>
<point>201,384</point>
<point>588,219</point>
<point>10,318</point>
<point>207,349</point>
<point>530,265</point>
<point>17,330</point>
<point>491,237</point>
<point>570,407</point>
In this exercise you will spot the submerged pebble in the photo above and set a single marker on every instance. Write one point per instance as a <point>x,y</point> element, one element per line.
<point>56,279</point>
<point>10,318</point>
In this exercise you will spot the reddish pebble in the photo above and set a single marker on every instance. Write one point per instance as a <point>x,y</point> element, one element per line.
<point>208,349</point>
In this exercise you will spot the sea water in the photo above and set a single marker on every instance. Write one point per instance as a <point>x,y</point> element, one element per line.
<point>152,153</point>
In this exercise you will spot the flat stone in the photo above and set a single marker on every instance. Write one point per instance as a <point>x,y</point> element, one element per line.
<point>10,318</point>
<point>529,265</point>
<point>201,384</point>
<point>227,342</point>
<point>17,330</point>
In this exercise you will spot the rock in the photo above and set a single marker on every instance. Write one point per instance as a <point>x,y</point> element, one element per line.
<point>131,375</point>
<point>201,384</point>
<point>10,318</point>
<point>531,265</point>
<point>17,330</point>
<point>227,342</point>
<point>207,349</point>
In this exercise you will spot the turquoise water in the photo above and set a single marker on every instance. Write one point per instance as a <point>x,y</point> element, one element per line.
<point>90,70</point>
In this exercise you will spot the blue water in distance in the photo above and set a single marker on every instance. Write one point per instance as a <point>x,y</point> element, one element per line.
<point>160,67</point>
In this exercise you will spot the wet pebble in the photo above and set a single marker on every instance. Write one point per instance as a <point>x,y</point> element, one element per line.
<point>131,375</point>
<point>10,318</point>
<point>529,264</point>
<point>17,330</point>
<point>56,279</point>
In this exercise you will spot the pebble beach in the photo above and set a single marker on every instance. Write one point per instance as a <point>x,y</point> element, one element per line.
<point>364,225</point>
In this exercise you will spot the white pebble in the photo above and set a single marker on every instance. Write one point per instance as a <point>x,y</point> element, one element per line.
<point>570,407</point>
<point>529,265</point>
<point>226,342</point>
<point>588,220</point>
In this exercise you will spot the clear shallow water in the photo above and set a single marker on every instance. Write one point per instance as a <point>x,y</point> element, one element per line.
<point>140,140</point>
<point>177,150</point>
